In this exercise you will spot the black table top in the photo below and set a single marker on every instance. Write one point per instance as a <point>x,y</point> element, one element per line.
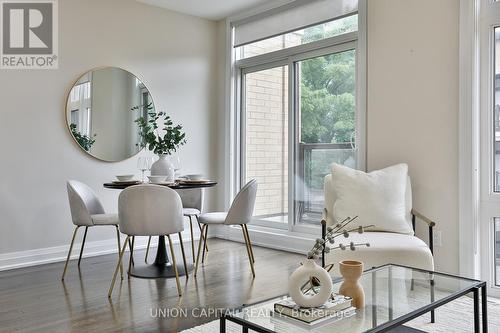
<point>176,186</point>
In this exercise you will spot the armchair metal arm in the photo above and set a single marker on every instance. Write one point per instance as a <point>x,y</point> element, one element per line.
<point>430,223</point>
<point>323,233</point>
<point>422,218</point>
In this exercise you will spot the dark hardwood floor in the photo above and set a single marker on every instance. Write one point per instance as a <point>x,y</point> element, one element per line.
<point>35,300</point>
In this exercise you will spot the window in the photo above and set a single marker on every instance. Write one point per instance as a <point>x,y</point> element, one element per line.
<point>75,94</point>
<point>266,140</point>
<point>80,104</point>
<point>496,263</point>
<point>300,37</point>
<point>484,232</point>
<point>297,109</point>
<point>327,113</point>
<point>496,112</point>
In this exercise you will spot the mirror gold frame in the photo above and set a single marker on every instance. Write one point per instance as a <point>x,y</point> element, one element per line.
<point>93,107</point>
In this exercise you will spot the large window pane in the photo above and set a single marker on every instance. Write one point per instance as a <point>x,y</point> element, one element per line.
<point>266,141</point>
<point>327,109</point>
<point>497,251</point>
<point>299,37</point>
<point>497,112</point>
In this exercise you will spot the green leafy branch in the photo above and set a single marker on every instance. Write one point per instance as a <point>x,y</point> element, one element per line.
<point>83,140</point>
<point>171,137</point>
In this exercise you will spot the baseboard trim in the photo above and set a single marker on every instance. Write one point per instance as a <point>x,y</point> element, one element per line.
<point>36,257</point>
<point>260,236</point>
<point>283,240</point>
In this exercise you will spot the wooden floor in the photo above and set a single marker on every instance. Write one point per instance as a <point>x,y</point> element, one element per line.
<point>35,300</point>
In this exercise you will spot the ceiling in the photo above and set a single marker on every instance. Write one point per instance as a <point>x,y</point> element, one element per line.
<point>209,9</point>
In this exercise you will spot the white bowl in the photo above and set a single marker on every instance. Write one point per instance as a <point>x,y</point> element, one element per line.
<point>195,177</point>
<point>125,178</point>
<point>157,179</point>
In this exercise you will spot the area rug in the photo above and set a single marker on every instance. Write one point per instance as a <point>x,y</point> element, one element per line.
<point>455,317</point>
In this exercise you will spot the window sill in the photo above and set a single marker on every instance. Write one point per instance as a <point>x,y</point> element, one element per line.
<point>278,239</point>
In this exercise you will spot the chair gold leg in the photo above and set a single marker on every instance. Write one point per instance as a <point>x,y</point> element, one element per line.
<point>119,248</point>
<point>249,242</point>
<point>147,250</point>
<point>131,259</point>
<point>205,246</point>
<point>183,256</point>
<point>69,252</point>
<point>83,244</point>
<point>120,257</point>
<point>248,251</point>
<point>174,262</point>
<point>199,251</point>
<point>192,236</point>
<point>199,225</point>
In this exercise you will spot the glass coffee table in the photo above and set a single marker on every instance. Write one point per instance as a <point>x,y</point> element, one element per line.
<point>394,295</point>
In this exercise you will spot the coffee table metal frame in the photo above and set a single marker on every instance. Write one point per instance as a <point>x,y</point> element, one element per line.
<point>478,287</point>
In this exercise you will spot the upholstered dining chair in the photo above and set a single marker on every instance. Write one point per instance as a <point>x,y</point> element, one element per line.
<point>87,211</point>
<point>240,213</point>
<point>150,210</point>
<point>192,206</point>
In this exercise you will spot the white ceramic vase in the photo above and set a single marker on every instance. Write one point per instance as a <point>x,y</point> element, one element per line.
<point>310,269</point>
<point>163,167</point>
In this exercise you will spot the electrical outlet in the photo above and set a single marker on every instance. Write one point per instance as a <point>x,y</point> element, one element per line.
<point>438,238</point>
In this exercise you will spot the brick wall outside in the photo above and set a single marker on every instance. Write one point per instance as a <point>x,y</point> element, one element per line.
<point>266,138</point>
<point>267,130</point>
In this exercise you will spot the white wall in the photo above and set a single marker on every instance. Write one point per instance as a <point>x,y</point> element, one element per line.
<point>412,113</point>
<point>223,142</point>
<point>173,54</point>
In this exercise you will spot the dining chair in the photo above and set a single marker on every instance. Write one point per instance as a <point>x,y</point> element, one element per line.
<point>150,210</point>
<point>192,203</point>
<point>240,213</point>
<point>87,211</point>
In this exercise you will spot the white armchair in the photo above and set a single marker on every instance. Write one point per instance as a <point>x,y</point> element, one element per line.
<point>385,247</point>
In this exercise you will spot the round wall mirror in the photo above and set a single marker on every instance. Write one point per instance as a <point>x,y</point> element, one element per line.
<point>101,111</point>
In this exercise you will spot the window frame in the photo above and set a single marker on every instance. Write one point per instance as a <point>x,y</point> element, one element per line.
<point>235,70</point>
<point>294,111</point>
<point>478,202</point>
<point>287,57</point>
<point>489,20</point>
<point>242,124</point>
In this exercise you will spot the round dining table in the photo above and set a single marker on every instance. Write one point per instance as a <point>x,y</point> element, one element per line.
<point>162,267</point>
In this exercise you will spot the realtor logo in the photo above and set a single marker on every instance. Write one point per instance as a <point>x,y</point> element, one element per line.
<point>29,34</point>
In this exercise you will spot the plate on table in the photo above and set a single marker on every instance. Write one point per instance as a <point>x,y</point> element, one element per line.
<point>163,183</point>
<point>127,182</point>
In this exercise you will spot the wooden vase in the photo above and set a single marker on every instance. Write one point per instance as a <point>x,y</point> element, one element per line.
<point>351,272</point>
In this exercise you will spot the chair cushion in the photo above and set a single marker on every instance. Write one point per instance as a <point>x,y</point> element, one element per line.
<point>105,219</point>
<point>190,211</point>
<point>213,218</point>
<point>377,198</point>
<point>384,248</point>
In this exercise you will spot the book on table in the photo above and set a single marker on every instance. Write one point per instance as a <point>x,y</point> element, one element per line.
<point>333,307</point>
<point>284,323</point>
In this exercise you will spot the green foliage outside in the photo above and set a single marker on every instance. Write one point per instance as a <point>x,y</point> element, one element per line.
<point>328,101</point>
<point>83,140</point>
